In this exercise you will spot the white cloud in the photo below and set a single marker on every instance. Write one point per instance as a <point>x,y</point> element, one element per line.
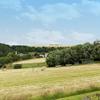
<point>41,36</point>
<point>82,37</point>
<point>44,37</point>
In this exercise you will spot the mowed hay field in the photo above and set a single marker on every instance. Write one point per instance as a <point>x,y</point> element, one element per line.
<point>38,60</point>
<point>49,83</point>
<point>32,63</point>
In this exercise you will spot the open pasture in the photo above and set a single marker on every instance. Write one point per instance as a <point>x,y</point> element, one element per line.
<point>49,83</point>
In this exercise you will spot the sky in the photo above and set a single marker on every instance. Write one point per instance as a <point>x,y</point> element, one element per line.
<point>43,22</point>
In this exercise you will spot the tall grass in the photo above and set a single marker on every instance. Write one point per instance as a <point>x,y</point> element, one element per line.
<point>63,93</point>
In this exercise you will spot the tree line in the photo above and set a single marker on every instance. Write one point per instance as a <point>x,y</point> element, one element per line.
<point>9,54</point>
<point>5,49</point>
<point>79,54</point>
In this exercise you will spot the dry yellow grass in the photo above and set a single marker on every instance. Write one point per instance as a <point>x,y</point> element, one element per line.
<point>24,83</point>
<point>38,60</point>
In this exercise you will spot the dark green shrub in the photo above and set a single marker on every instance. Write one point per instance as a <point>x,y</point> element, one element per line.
<point>4,49</point>
<point>80,54</point>
<point>26,56</point>
<point>51,60</point>
<point>5,60</point>
<point>17,66</point>
<point>13,56</point>
<point>1,65</point>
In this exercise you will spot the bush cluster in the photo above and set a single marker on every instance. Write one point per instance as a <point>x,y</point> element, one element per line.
<point>80,54</point>
<point>17,66</point>
<point>25,57</point>
<point>5,60</point>
<point>12,57</point>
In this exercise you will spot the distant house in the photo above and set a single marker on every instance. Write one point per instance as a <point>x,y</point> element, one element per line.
<point>43,55</point>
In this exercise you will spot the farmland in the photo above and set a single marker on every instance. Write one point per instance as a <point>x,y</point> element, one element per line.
<point>38,60</point>
<point>49,50</point>
<point>32,63</point>
<point>50,83</point>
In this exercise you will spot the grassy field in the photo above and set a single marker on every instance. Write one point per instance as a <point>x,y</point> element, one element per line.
<point>30,61</point>
<point>49,83</point>
<point>34,65</point>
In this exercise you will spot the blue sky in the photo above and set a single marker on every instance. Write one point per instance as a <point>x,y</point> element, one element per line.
<point>32,22</point>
